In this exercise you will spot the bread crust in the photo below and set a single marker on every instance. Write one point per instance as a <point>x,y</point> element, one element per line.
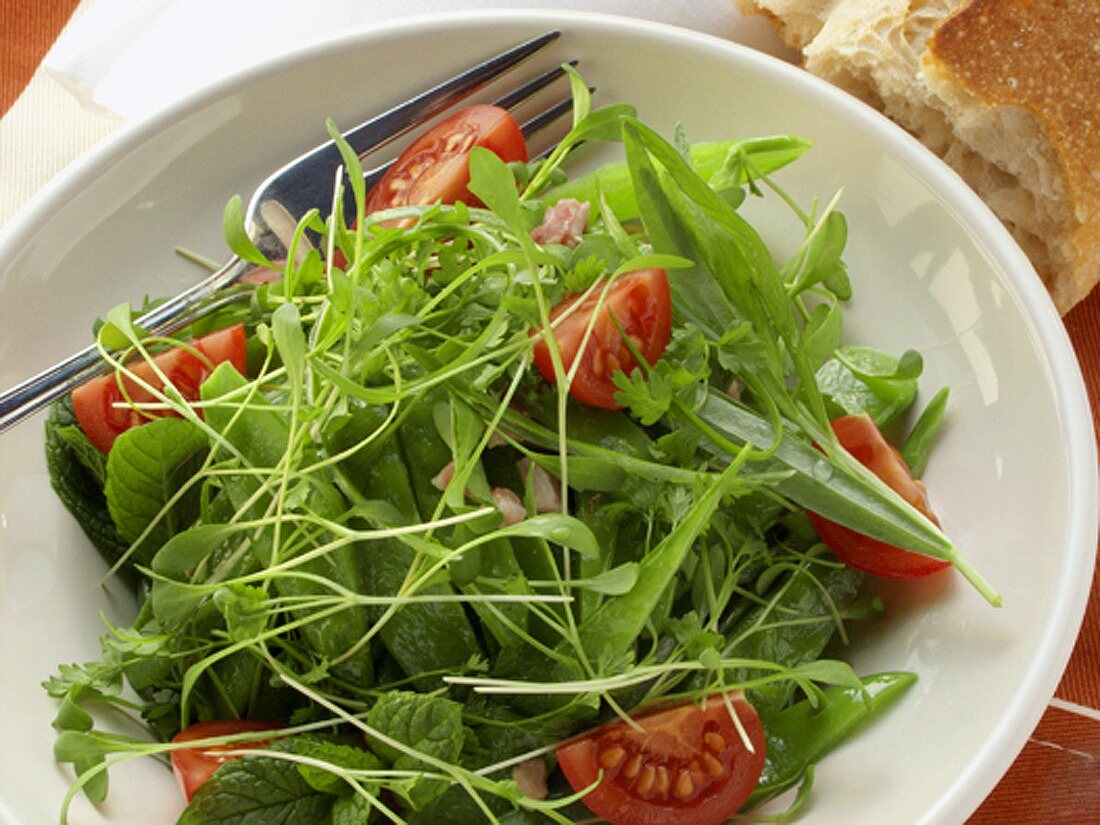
<point>1041,56</point>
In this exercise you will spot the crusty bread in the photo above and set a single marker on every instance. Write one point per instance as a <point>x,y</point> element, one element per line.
<point>1006,91</point>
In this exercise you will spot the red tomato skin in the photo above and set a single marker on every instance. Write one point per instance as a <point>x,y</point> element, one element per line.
<point>94,402</point>
<point>436,166</point>
<point>859,435</point>
<point>675,739</point>
<point>193,766</point>
<point>642,304</point>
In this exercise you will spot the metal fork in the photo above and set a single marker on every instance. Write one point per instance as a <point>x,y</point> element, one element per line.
<point>279,202</point>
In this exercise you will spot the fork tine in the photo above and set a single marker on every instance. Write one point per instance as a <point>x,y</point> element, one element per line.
<point>528,89</point>
<point>546,117</point>
<point>379,131</point>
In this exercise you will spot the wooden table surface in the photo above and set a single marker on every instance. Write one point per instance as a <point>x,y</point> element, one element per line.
<point>1056,778</point>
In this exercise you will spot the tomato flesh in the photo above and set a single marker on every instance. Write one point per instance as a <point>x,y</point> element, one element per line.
<point>436,167</point>
<point>100,405</point>
<point>687,764</point>
<point>859,435</point>
<point>641,303</point>
<point>193,766</point>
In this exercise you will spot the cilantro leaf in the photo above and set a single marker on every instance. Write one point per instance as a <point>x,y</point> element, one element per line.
<point>647,398</point>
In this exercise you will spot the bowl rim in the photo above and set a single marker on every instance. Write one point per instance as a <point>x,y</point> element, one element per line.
<point>1014,271</point>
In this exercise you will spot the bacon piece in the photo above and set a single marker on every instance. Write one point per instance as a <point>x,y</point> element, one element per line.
<point>545,487</point>
<point>509,505</point>
<point>260,275</point>
<point>530,776</point>
<point>444,476</point>
<point>563,223</point>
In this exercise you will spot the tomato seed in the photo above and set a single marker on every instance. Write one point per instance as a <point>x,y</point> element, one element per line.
<point>663,781</point>
<point>633,765</point>
<point>684,786</point>
<point>597,363</point>
<point>612,757</point>
<point>713,766</point>
<point>715,742</point>
<point>645,782</point>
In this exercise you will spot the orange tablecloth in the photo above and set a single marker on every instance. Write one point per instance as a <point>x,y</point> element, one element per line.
<point>1056,778</point>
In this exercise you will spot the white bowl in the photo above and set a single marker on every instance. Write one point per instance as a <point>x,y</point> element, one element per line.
<point>1013,477</point>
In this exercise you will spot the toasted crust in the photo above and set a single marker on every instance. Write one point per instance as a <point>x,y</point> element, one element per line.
<point>1041,56</point>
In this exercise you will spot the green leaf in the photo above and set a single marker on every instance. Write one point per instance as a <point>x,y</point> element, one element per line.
<point>335,753</point>
<point>146,468</point>
<point>582,97</point>
<point>865,380</point>
<point>918,446</point>
<point>79,490</point>
<point>494,185</point>
<point>245,610</point>
<point>351,810</point>
<point>822,334</point>
<point>290,342</point>
<point>353,169</point>
<point>612,181</point>
<point>119,331</point>
<point>85,452</point>
<point>823,255</point>
<point>183,552</point>
<point>71,717</point>
<point>586,473</point>
<point>618,622</point>
<point>613,582</point>
<point>653,261</point>
<point>647,397</point>
<point>847,494</point>
<point>557,528</point>
<point>802,734</point>
<point>257,791</point>
<point>748,160</point>
<point>237,237</point>
<point>429,725</point>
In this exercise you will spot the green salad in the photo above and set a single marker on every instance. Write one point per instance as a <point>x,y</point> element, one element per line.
<point>552,506</point>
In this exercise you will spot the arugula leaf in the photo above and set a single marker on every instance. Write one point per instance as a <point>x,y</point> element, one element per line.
<point>618,622</point>
<point>918,445</point>
<point>721,163</point>
<point>802,734</point>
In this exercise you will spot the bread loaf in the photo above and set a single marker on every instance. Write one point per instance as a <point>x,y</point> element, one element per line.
<point>1005,91</point>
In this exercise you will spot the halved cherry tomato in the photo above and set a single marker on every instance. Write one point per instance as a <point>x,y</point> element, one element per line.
<point>687,766</point>
<point>436,167</point>
<point>641,303</point>
<point>95,402</point>
<point>193,766</point>
<point>859,435</point>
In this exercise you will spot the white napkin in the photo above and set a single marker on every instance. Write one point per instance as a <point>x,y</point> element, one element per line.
<point>133,57</point>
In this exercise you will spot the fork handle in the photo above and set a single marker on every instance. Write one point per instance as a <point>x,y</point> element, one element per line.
<point>30,396</point>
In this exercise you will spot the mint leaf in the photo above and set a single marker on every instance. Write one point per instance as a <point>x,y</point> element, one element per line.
<point>258,791</point>
<point>429,725</point>
<point>335,753</point>
<point>79,489</point>
<point>146,467</point>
